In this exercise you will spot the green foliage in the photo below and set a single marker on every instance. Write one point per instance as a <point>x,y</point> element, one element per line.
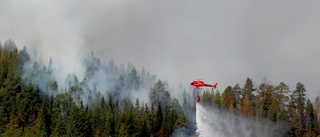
<point>78,122</point>
<point>217,101</point>
<point>247,99</point>
<point>181,121</point>
<point>278,109</point>
<point>248,89</point>
<point>26,111</point>
<point>271,102</point>
<point>228,99</point>
<point>159,94</point>
<point>264,101</point>
<point>297,110</point>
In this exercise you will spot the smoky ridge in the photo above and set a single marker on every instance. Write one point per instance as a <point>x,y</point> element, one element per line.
<point>99,79</point>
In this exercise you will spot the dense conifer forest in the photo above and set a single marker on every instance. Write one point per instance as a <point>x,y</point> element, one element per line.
<point>34,103</point>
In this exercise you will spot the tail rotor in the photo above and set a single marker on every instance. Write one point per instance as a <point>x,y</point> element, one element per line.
<point>215,85</point>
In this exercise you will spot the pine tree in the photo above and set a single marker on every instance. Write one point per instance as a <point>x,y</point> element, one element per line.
<point>151,116</point>
<point>144,130</point>
<point>71,128</point>
<point>248,89</point>
<point>24,57</point>
<point>131,124</point>
<point>60,127</point>
<point>181,121</point>
<point>225,101</point>
<point>247,106</point>
<point>78,123</point>
<point>158,118</point>
<point>159,94</point>
<point>280,101</point>
<point>41,127</point>
<point>237,93</point>
<point>247,98</point>
<point>3,120</point>
<point>217,100</point>
<point>97,122</point>
<point>310,119</point>
<point>297,110</point>
<point>264,100</point>
<point>103,102</point>
<point>134,79</point>
<point>228,99</point>
<point>13,128</point>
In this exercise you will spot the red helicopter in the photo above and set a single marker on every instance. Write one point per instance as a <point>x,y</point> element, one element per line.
<point>200,83</point>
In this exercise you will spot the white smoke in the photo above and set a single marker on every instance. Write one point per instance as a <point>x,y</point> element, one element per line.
<point>215,123</point>
<point>224,39</point>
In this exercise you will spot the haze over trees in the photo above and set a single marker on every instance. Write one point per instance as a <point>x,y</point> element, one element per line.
<point>34,103</point>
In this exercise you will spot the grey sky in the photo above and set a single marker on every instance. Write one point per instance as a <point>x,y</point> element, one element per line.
<point>178,40</point>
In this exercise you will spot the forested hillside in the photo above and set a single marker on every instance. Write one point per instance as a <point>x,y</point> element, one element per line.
<point>105,101</point>
<point>32,103</point>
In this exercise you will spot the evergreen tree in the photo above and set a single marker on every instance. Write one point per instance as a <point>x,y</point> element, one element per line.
<point>297,110</point>
<point>310,120</point>
<point>144,130</point>
<point>3,119</point>
<point>264,100</point>
<point>317,111</point>
<point>97,122</point>
<point>134,79</point>
<point>41,125</point>
<point>181,121</point>
<point>237,95</point>
<point>131,124</point>
<point>247,99</point>
<point>159,94</point>
<point>247,106</point>
<point>158,118</point>
<point>24,57</point>
<point>60,127</point>
<point>280,101</point>
<point>248,89</point>
<point>217,100</point>
<point>13,128</point>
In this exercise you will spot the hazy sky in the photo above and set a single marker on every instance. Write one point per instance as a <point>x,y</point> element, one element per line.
<point>178,40</point>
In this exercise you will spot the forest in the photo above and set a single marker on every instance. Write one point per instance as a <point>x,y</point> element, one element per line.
<point>34,103</point>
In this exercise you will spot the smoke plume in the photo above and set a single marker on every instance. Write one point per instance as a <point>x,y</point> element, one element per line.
<point>181,40</point>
